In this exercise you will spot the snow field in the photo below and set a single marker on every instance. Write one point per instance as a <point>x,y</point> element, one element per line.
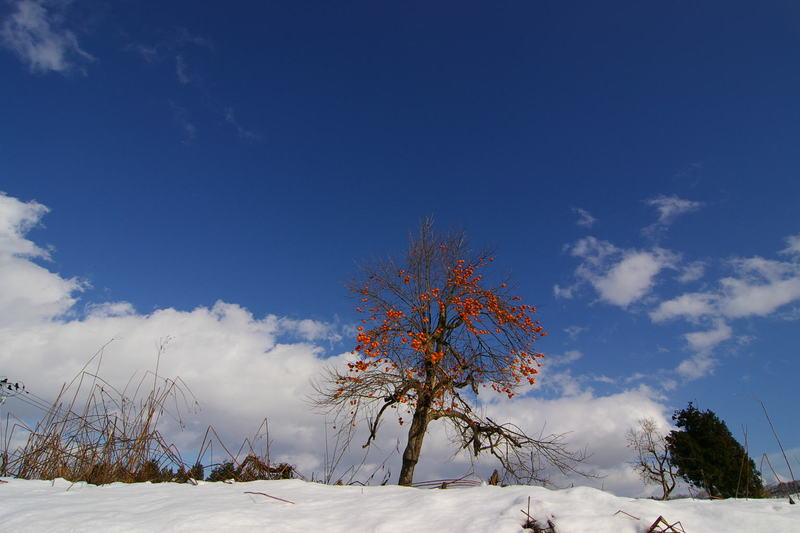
<point>60,506</point>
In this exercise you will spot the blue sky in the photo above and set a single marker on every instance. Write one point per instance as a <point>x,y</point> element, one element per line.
<point>634,166</point>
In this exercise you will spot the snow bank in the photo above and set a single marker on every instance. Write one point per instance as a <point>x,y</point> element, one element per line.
<point>53,506</point>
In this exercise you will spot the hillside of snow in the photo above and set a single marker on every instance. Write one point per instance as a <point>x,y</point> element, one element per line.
<point>53,506</point>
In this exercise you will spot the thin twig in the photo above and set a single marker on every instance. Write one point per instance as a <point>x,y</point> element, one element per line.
<point>268,496</point>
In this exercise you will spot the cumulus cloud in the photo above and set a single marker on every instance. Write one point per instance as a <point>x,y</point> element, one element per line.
<point>242,368</point>
<point>585,218</point>
<point>705,341</point>
<point>310,330</point>
<point>690,306</point>
<point>630,279</point>
<point>35,33</point>
<point>236,363</point>
<point>620,277</point>
<point>593,250</point>
<point>595,421</point>
<point>29,293</point>
<point>697,366</point>
<point>758,287</point>
<point>762,286</point>
<point>16,218</point>
<point>702,362</point>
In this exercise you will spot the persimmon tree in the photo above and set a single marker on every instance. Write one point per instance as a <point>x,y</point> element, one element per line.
<point>433,336</point>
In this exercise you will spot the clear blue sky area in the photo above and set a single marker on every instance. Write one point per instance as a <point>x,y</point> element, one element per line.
<point>634,164</point>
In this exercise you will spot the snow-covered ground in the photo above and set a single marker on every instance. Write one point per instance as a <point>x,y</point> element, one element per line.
<point>62,506</point>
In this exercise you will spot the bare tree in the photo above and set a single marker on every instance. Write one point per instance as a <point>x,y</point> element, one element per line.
<point>433,336</point>
<point>653,460</point>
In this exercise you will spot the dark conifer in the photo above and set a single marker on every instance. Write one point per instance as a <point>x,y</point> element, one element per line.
<point>709,457</point>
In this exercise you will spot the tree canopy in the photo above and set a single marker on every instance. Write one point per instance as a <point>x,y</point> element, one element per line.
<point>433,335</point>
<point>708,456</point>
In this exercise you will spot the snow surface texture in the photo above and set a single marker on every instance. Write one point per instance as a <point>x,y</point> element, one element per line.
<point>29,505</point>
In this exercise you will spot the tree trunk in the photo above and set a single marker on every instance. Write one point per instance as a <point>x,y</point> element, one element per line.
<point>416,434</point>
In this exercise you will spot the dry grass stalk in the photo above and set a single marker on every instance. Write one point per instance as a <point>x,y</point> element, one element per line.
<point>249,462</point>
<point>93,432</point>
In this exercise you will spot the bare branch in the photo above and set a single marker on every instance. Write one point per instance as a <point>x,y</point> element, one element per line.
<point>653,460</point>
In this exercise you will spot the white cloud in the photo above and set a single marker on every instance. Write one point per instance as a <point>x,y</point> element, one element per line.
<point>790,315</point>
<point>574,331</point>
<point>564,359</point>
<point>759,288</point>
<point>620,277</point>
<point>781,472</point>
<point>743,299</point>
<point>670,207</point>
<point>690,306</point>
<point>16,218</point>
<point>29,293</point>
<point>630,279</point>
<point>110,309</point>
<point>705,341</point>
<point>762,287</point>
<point>596,422</point>
<point>793,245</point>
<point>756,268</point>
<point>593,250</point>
<point>310,330</point>
<point>234,362</point>
<point>36,35</point>
<point>241,370</point>
<point>563,292</point>
<point>692,272</point>
<point>697,366</point>
<point>585,218</point>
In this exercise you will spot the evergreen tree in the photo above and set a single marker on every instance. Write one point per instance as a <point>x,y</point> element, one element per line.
<point>196,472</point>
<point>707,455</point>
<point>223,472</point>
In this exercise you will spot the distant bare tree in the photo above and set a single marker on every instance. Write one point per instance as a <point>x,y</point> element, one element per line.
<point>653,460</point>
